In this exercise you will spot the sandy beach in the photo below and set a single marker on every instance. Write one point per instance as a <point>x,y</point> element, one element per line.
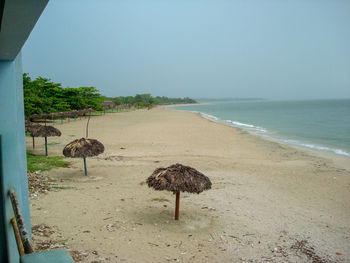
<point>269,202</point>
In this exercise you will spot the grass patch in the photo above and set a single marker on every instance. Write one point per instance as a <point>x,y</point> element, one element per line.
<point>44,163</point>
<point>53,143</point>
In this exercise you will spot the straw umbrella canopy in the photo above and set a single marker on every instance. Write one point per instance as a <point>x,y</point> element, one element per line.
<point>60,115</point>
<point>34,116</point>
<point>179,178</point>
<point>44,115</point>
<point>45,131</point>
<point>28,125</point>
<point>67,115</point>
<point>82,113</point>
<point>75,113</point>
<point>82,148</point>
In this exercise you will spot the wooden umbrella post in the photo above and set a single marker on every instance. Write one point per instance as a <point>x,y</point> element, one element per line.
<point>87,127</point>
<point>177,206</point>
<point>85,170</point>
<point>46,146</point>
<point>33,142</point>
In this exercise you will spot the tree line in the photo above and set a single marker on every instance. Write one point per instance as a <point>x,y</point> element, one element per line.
<point>41,95</point>
<point>146,100</point>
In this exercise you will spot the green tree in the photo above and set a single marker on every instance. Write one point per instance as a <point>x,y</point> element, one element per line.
<point>44,96</point>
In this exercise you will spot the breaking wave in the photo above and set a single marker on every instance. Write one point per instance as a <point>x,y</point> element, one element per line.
<point>263,131</point>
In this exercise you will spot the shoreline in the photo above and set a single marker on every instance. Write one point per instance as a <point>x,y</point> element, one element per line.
<point>330,155</point>
<point>265,198</point>
<point>261,132</point>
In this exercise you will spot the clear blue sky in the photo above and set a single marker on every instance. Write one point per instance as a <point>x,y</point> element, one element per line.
<point>279,49</point>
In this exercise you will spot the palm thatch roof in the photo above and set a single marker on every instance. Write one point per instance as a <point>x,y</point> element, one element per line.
<point>108,103</point>
<point>30,126</point>
<point>82,148</point>
<point>61,114</point>
<point>34,116</point>
<point>178,177</point>
<point>45,131</point>
<point>44,115</point>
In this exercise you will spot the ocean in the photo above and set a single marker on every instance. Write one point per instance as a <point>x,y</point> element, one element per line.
<point>322,125</point>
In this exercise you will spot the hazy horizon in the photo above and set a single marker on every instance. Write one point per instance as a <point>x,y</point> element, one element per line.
<point>199,49</point>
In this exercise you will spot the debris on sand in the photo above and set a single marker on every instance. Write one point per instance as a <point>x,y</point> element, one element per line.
<point>46,238</point>
<point>39,183</point>
<point>302,246</point>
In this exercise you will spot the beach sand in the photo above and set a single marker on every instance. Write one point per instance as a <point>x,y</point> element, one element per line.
<point>269,202</point>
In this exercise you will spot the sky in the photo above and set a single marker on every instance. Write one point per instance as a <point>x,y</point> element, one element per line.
<point>290,49</point>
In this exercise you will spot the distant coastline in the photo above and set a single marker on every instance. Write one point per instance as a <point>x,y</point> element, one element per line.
<point>228,99</point>
<point>191,104</point>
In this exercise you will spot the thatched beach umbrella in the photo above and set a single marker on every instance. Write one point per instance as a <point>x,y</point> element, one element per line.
<point>31,126</point>
<point>45,131</point>
<point>75,114</point>
<point>60,115</point>
<point>34,116</point>
<point>44,115</point>
<point>84,147</point>
<point>27,124</point>
<point>176,178</point>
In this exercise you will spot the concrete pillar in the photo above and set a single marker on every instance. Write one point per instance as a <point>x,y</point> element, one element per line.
<point>13,164</point>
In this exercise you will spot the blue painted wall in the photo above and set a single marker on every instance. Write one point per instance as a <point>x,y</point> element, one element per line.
<point>14,164</point>
<point>3,247</point>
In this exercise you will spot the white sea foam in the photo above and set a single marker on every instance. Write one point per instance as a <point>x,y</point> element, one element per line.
<point>207,116</point>
<point>341,152</point>
<point>211,117</point>
<point>246,126</point>
<point>318,147</point>
<point>241,124</point>
<point>249,127</point>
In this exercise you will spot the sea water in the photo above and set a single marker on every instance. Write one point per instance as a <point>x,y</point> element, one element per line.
<point>322,125</point>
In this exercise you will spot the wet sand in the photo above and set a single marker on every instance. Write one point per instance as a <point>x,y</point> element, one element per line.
<point>269,202</point>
